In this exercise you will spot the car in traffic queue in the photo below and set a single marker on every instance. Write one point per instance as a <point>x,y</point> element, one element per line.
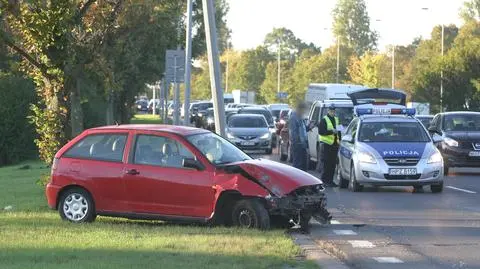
<point>176,173</point>
<point>198,110</point>
<point>262,110</point>
<point>275,110</point>
<point>208,120</point>
<point>141,105</point>
<point>385,145</point>
<point>250,132</point>
<point>284,135</point>
<point>283,116</point>
<point>426,120</point>
<point>460,133</point>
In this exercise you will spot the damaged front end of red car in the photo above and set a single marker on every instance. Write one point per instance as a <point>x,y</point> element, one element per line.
<point>291,194</point>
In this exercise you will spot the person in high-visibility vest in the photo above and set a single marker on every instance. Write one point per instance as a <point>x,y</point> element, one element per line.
<point>329,138</point>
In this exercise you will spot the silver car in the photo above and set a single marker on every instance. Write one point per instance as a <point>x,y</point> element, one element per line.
<point>388,150</point>
<point>250,132</point>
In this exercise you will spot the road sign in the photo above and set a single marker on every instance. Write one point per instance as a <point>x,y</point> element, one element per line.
<point>282,95</point>
<point>175,66</point>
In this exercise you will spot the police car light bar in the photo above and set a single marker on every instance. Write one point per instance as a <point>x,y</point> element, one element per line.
<point>386,111</point>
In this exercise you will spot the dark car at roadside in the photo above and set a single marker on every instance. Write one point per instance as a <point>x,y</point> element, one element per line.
<point>460,132</point>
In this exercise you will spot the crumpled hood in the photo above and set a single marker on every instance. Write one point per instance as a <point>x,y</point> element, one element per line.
<point>279,178</point>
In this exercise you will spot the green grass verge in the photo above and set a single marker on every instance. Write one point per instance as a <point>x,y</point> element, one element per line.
<point>32,236</point>
<point>146,119</point>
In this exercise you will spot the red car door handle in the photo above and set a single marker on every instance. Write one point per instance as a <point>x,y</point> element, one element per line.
<point>132,172</point>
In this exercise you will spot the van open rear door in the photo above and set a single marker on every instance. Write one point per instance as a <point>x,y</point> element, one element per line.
<point>378,97</point>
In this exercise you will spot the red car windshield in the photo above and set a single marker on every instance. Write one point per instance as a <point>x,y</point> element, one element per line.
<point>217,150</point>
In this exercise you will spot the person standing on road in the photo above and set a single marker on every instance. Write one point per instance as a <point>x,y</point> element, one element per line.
<point>298,137</point>
<point>329,138</point>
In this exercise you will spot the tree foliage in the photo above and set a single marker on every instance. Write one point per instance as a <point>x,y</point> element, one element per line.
<point>351,24</point>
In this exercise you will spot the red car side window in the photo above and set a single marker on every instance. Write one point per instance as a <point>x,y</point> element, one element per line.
<point>160,151</point>
<point>102,147</point>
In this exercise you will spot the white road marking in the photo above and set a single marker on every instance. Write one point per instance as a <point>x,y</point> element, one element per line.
<point>344,232</point>
<point>335,222</point>
<point>387,260</point>
<point>361,244</point>
<point>458,189</point>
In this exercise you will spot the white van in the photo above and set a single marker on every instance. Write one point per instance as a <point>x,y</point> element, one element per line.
<point>322,91</point>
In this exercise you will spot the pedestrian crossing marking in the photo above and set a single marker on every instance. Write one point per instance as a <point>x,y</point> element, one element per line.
<point>387,260</point>
<point>344,232</point>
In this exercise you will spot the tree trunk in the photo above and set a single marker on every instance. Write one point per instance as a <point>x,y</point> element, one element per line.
<point>110,118</point>
<point>76,111</point>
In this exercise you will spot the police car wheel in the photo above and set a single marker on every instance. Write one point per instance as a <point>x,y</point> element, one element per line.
<point>436,188</point>
<point>342,182</point>
<point>353,184</point>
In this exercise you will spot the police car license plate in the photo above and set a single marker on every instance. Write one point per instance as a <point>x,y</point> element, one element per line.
<point>402,171</point>
<point>381,111</point>
<point>474,154</point>
<point>248,143</point>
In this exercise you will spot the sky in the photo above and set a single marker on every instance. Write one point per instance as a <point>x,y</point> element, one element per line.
<point>396,21</point>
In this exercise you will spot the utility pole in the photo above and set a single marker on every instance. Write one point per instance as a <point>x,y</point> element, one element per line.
<point>162,100</point>
<point>393,66</point>
<point>214,66</point>
<point>154,103</point>
<point>338,59</point>
<point>176,95</point>
<point>227,67</point>
<point>441,71</point>
<point>279,66</point>
<point>166,85</point>
<point>188,64</point>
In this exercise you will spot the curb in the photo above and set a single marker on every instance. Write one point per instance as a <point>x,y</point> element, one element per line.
<point>313,252</point>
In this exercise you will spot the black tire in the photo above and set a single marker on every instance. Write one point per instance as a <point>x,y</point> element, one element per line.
<point>280,222</point>
<point>437,188</point>
<point>269,151</point>
<point>305,221</point>
<point>342,182</point>
<point>283,155</point>
<point>250,214</point>
<point>84,199</point>
<point>417,188</point>
<point>353,184</point>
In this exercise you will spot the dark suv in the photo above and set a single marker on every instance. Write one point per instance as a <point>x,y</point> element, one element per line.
<point>460,131</point>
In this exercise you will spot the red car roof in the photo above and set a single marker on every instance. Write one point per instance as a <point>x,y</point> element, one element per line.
<point>181,130</point>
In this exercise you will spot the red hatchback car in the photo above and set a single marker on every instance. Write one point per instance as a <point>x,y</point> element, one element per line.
<point>177,173</point>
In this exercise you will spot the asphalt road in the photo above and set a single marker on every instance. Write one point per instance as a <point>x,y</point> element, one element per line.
<point>394,227</point>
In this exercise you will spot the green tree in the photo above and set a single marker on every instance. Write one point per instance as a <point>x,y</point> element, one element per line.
<point>290,45</point>
<point>223,32</point>
<point>351,24</point>
<point>369,70</point>
<point>426,68</point>
<point>470,10</point>
<point>251,68</point>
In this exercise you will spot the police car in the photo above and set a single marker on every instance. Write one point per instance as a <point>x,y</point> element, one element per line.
<point>385,145</point>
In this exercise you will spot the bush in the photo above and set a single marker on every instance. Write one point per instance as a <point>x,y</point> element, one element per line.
<point>16,133</point>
